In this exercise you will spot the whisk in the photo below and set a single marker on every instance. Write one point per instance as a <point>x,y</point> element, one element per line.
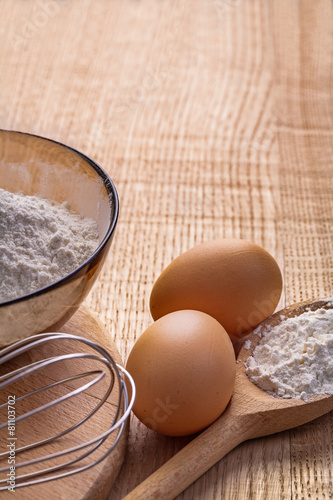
<point>36,462</point>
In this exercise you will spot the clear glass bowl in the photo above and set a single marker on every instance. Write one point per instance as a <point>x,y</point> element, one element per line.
<point>45,168</point>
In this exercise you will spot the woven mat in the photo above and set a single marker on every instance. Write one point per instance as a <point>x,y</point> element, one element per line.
<point>214,119</point>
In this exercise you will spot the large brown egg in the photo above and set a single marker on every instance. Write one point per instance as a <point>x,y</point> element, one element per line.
<point>184,369</point>
<point>234,280</point>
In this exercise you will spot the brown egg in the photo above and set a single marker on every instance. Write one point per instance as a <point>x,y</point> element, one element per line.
<point>235,281</point>
<point>184,368</point>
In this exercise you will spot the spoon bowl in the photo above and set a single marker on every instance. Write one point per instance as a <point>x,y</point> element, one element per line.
<point>287,413</point>
<point>251,413</point>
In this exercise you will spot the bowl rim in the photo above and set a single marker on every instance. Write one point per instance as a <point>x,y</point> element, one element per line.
<point>112,194</point>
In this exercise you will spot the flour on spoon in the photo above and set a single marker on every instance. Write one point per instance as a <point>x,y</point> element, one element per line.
<point>295,358</point>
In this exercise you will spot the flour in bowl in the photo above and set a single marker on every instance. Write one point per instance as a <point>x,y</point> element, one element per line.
<point>295,358</point>
<point>41,241</point>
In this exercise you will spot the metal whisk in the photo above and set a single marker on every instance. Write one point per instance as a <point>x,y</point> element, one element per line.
<point>108,376</point>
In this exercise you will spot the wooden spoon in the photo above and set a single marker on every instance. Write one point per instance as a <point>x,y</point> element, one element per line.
<point>251,413</point>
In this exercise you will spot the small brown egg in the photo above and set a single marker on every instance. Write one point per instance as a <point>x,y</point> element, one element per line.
<point>236,281</point>
<point>184,367</point>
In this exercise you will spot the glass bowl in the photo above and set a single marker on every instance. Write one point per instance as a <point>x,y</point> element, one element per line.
<point>45,168</point>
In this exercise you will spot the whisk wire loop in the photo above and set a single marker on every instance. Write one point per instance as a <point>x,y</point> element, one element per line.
<point>116,379</point>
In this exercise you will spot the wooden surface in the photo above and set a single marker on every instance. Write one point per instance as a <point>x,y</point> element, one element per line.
<point>94,483</point>
<point>214,119</point>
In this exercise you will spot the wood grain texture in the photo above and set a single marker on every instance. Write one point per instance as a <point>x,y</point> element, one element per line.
<point>214,119</point>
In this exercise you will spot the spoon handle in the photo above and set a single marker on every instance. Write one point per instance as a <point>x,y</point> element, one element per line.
<point>196,457</point>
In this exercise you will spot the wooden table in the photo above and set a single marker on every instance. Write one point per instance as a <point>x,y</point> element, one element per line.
<point>214,119</point>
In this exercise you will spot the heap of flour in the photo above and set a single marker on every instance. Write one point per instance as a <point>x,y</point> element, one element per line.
<point>295,358</point>
<point>41,241</point>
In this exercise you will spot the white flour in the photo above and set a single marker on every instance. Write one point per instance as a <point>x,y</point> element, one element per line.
<point>41,241</point>
<point>295,359</point>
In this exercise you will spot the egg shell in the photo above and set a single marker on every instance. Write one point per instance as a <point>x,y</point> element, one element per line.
<point>183,366</point>
<point>236,281</point>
